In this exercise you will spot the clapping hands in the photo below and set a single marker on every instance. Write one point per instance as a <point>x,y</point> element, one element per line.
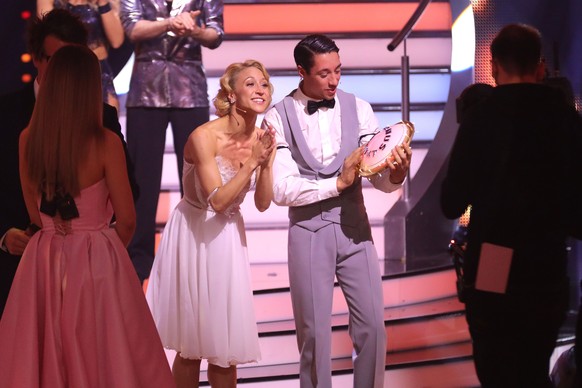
<point>184,24</point>
<point>264,146</point>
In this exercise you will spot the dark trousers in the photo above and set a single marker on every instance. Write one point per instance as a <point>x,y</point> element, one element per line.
<point>146,139</point>
<point>514,336</point>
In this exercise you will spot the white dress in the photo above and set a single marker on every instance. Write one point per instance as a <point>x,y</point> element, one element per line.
<point>199,290</point>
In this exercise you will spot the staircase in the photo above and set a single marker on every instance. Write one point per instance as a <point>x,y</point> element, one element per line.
<point>428,341</point>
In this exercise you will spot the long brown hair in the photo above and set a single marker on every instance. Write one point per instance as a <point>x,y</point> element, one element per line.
<point>67,119</point>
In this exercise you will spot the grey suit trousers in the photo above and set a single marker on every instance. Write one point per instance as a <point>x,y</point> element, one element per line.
<point>315,257</point>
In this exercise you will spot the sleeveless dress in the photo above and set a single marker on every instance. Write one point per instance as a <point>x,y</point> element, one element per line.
<point>76,315</point>
<point>199,288</point>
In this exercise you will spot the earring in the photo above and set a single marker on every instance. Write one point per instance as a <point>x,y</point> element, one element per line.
<point>231,100</point>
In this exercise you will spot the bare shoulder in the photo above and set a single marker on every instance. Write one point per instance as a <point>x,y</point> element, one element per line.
<point>202,141</point>
<point>111,139</point>
<point>110,148</point>
<point>206,132</point>
<point>110,135</point>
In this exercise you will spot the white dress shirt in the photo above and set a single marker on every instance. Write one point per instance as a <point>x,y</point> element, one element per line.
<point>322,131</point>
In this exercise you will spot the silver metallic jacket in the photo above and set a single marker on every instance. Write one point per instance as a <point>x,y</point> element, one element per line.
<point>168,70</point>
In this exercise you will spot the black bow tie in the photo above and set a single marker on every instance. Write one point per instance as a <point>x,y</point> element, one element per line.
<point>313,106</point>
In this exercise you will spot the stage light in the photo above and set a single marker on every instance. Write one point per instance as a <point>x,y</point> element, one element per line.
<point>464,219</point>
<point>25,15</point>
<point>463,31</point>
<point>25,58</point>
<point>457,247</point>
<point>26,78</point>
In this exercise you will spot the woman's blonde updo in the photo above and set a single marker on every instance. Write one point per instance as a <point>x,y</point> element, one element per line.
<point>227,81</point>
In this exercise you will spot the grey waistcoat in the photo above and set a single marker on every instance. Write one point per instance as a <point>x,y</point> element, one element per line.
<point>347,209</point>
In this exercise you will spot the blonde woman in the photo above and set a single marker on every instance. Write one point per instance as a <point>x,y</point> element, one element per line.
<point>199,289</point>
<point>76,315</point>
<point>101,18</point>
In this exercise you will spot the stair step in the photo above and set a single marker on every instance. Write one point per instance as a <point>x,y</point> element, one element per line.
<point>421,311</point>
<point>407,335</point>
<point>426,331</point>
<point>356,53</point>
<point>451,371</point>
<point>392,315</point>
<point>285,17</point>
<point>417,344</point>
<point>428,91</point>
<point>409,292</point>
<point>410,368</point>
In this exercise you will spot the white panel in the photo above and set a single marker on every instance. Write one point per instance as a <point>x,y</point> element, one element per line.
<point>374,88</point>
<point>270,245</point>
<point>387,88</point>
<point>166,204</point>
<point>426,123</point>
<point>354,53</point>
<point>170,176</point>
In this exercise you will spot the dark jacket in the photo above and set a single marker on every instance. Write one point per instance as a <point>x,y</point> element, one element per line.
<point>517,159</point>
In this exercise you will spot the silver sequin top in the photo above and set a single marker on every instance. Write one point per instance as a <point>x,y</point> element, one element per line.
<point>168,70</point>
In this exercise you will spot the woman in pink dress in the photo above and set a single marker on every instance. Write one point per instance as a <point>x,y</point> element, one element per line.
<point>76,315</point>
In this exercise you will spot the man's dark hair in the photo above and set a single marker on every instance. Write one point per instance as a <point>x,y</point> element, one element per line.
<point>517,48</point>
<point>60,23</point>
<point>311,45</point>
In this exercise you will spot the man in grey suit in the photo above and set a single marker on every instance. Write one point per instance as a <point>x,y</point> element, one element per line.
<point>318,129</point>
